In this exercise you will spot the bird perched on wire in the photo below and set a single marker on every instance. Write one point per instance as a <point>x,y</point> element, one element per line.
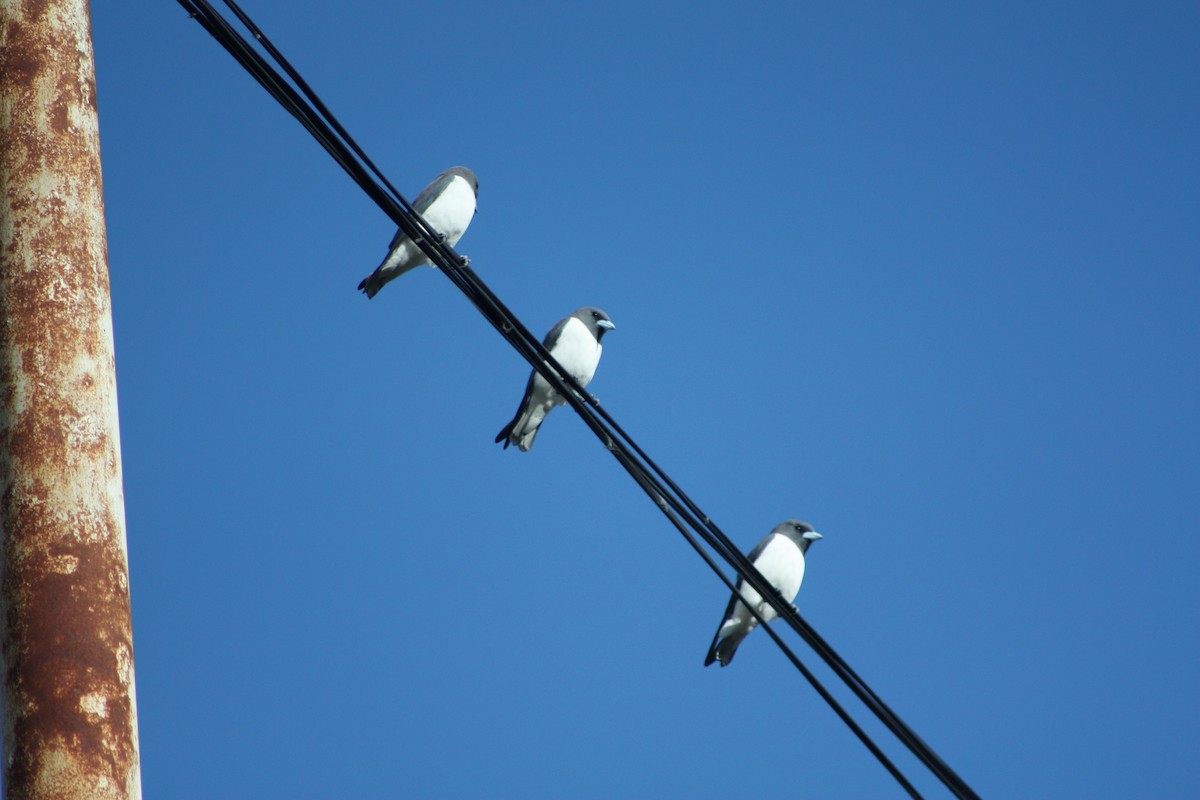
<point>575,344</point>
<point>447,204</point>
<point>780,559</point>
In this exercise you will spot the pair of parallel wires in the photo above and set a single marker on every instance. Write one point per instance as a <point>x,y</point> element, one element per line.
<point>295,95</point>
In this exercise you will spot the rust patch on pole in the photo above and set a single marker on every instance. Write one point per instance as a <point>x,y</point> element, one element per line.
<point>70,715</point>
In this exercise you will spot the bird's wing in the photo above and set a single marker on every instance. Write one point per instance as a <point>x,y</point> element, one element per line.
<point>555,332</point>
<point>421,205</point>
<point>533,376</point>
<point>431,192</point>
<point>733,601</point>
<point>397,240</point>
<point>758,548</point>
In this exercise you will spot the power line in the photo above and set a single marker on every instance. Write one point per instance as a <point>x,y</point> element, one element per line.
<point>667,495</point>
<point>791,656</point>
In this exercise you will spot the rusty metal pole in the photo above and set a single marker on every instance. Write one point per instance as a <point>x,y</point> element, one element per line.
<point>70,718</point>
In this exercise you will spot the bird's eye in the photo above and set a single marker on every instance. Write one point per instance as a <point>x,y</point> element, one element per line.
<point>596,314</point>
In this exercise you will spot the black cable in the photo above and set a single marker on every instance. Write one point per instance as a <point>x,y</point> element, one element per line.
<point>264,76</point>
<point>787,651</point>
<point>330,134</point>
<point>289,101</point>
<point>724,546</point>
<point>814,640</point>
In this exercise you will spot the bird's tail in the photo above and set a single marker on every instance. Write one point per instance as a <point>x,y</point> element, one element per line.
<point>506,434</point>
<point>371,284</point>
<point>522,435</point>
<point>524,426</point>
<point>730,632</point>
<point>723,650</point>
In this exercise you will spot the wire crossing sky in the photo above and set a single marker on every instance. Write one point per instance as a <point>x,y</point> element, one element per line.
<point>955,336</point>
<point>321,123</point>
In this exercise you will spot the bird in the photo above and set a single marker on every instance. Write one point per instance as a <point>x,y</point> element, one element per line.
<point>447,204</point>
<point>780,559</point>
<point>575,344</point>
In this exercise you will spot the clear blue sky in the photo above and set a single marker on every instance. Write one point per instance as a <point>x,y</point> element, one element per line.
<point>928,277</point>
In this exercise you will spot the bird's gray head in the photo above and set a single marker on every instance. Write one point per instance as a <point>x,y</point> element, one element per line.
<point>799,532</point>
<point>596,321</point>
<point>467,175</point>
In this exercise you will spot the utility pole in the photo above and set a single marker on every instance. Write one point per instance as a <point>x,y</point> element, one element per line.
<point>69,709</point>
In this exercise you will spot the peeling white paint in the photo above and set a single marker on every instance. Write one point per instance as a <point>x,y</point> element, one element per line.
<point>94,705</point>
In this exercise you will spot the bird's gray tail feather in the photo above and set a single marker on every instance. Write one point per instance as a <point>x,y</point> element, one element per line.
<point>524,439</point>
<point>503,435</point>
<point>723,650</point>
<point>371,284</point>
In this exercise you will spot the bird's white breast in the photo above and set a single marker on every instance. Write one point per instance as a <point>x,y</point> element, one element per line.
<point>782,564</point>
<point>451,213</point>
<point>578,351</point>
